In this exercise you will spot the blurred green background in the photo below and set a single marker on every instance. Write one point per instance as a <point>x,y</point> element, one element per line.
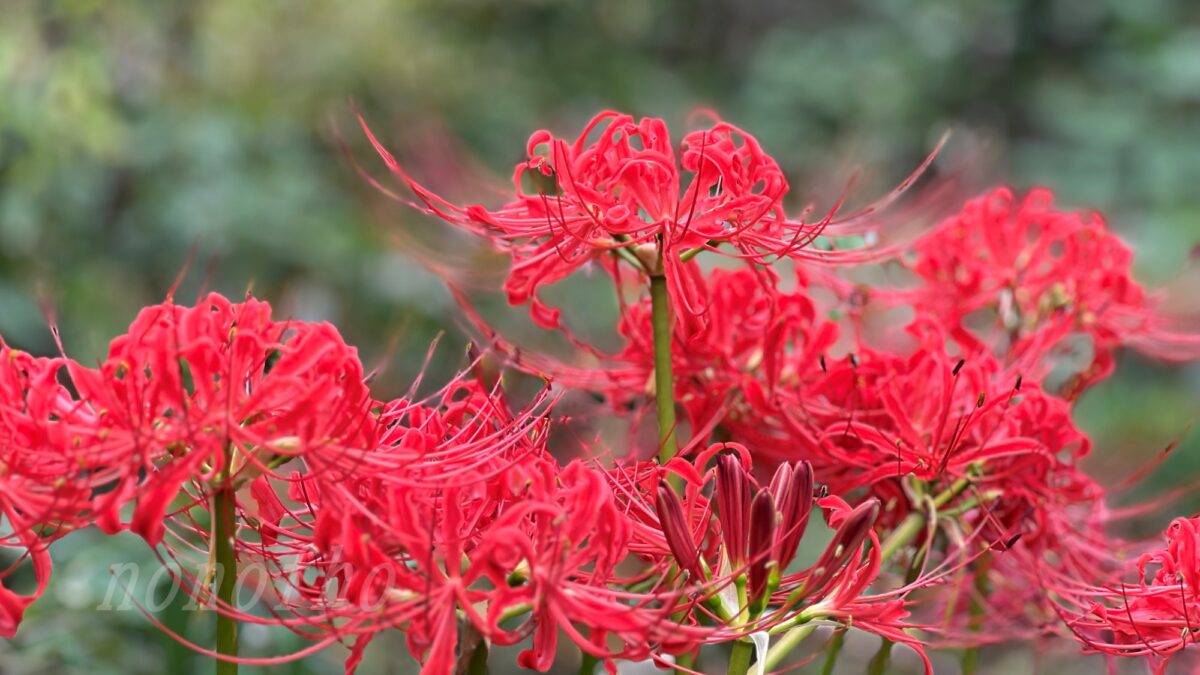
<point>132,133</point>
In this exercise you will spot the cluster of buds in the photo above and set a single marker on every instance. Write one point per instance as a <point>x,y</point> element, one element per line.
<point>940,450</point>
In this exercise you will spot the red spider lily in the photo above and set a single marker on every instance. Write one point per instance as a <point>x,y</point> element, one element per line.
<point>440,472</point>
<point>1041,273</point>
<point>1156,617</point>
<point>752,337</point>
<point>448,539</point>
<point>904,429</point>
<point>584,530</point>
<point>47,472</point>
<point>875,418</point>
<point>220,393</point>
<point>622,190</point>
<point>197,399</point>
<point>619,189</point>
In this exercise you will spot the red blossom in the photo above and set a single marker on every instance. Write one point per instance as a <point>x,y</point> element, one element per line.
<point>190,391</point>
<point>620,187</point>
<point>477,523</point>
<point>1157,616</point>
<point>48,470</point>
<point>1040,273</point>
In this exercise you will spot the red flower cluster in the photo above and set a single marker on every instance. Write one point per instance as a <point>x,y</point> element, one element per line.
<point>955,416</point>
<point>1158,615</point>
<point>620,191</point>
<point>1018,276</point>
<point>188,402</point>
<point>938,451</point>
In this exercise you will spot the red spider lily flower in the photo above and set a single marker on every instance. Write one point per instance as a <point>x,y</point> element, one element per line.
<point>876,418</point>
<point>220,393</point>
<point>358,553</point>
<point>188,402</point>
<point>1041,273</point>
<point>583,529</point>
<point>448,539</point>
<point>753,336</point>
<point>1156,617</point>
<point>1004,452</point>
<point>48,473</point>
<point>620,187</point>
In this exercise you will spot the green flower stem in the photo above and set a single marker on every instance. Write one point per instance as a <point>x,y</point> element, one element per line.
<point>776,654</point>
<point>739,658</point>
<point>664,377</point>
<point>833,650</point>
<point>479,659</point>
<point>879,662</point>
<point>688,255</point>
<point>983,565</point>
<point>912,525</point>
<point>223,532</point>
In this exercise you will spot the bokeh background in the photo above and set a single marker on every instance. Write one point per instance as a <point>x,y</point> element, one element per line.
<point>138,135</point>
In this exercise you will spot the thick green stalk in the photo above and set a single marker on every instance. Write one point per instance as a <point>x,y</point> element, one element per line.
<point>970,661</point>
<point>226,560</point>
<point>983,566</point>
<point>664,377</point>
<point>776,654</point>
<point>739,658</point>
<point>879,662</point>
<point>833,651</point>
<point>479,659</point>
<point>587,664</point>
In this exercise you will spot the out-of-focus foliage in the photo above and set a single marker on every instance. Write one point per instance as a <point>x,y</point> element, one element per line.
<point>132,132</point>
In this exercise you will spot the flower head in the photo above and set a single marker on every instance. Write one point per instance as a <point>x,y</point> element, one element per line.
<point>621,191</point>
<point>1157,616</point>
<point>1040,273</point>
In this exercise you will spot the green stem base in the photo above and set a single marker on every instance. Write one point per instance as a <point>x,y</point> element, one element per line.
<point>226,559</point>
